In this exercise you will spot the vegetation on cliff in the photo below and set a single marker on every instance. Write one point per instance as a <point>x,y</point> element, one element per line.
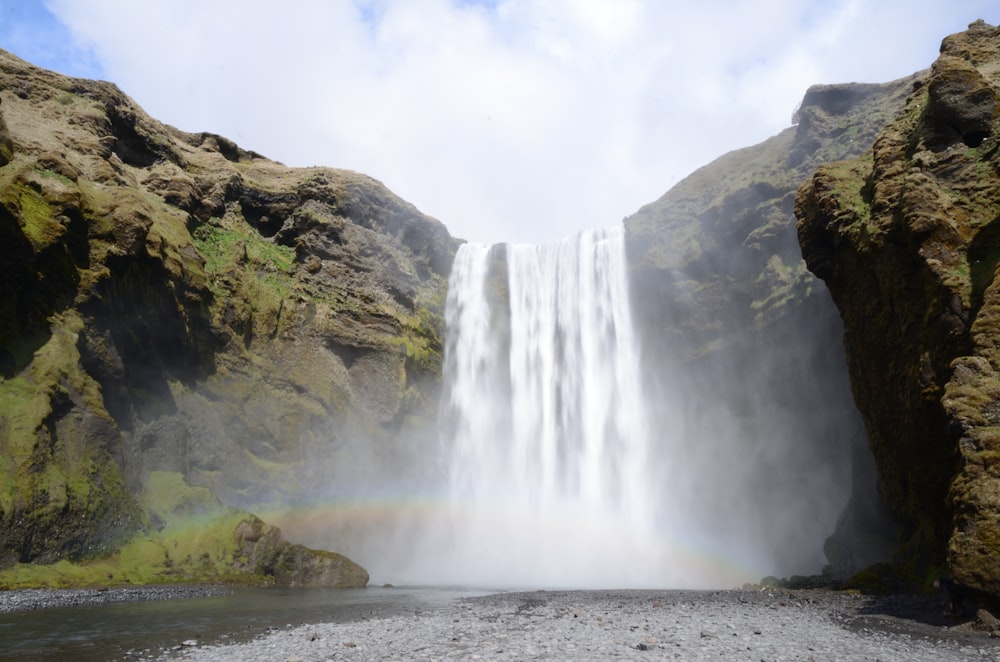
<point>177,306</point>
<point>905,238</point>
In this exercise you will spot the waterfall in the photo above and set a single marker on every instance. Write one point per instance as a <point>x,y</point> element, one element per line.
<point>545,434</point>
<point>568,457</point>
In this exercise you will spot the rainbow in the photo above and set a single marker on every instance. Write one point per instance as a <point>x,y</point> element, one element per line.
<point>423,540</point>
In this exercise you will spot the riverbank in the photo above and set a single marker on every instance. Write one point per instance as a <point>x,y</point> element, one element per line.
<point>44,598</point>
<point>756,625</point>
<point>404,624</point>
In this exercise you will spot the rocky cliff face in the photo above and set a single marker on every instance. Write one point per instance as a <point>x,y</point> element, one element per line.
<point>174,305</point>
<point>906,239</point>
<point>189,330</point>
<point>729,310</point>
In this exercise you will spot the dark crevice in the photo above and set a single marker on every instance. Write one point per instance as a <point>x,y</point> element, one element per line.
<point>983,256</point>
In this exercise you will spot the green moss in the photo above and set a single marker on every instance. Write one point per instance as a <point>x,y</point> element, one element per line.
<point>781,284</point>
<point>35,215</point>
<point>875,579</point>
<point>143,560</point>
<point>850,190</point>
<point>58,362</point>
<point>22,406</point>
<point>57,575</point>
<point>97,204</point>
<point>169,239</point>
<point>422,332</point>
<point>26,402</point>
<point>167,496</point>
<point>276,472</point>
<point>227,245</point>
<point>248,274</point>
<point>196,530</point>
<point>191,539</point>
<point>52,174</point>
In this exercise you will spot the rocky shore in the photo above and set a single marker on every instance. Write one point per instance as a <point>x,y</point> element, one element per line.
<point>636,625</point>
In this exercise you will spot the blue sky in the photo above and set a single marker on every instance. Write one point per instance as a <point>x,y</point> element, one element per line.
<point>509,120</point>
<point>33,33</point>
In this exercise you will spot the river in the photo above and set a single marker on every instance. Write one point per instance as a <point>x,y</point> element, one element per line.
<point>144,629</point>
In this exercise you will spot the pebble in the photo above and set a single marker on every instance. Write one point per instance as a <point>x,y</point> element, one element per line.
<point>617,625</point>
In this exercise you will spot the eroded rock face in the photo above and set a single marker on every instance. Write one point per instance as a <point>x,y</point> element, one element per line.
<point>175,303</point>
<point>727,308</point>
<point>906,240</point>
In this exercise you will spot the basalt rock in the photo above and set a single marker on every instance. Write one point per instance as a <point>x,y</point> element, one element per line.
<point>174,303</point>
<point>906,239</point>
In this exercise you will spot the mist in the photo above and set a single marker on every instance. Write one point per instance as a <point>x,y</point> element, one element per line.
<point>579,444</point>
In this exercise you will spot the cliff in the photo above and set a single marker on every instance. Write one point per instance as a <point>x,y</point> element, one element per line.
<point>728,309</point>
<point>185,323</point>
<point>190,332</point>
<point>906,239</point>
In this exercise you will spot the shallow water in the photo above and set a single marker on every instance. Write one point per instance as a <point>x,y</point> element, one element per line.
<point>135,630</point>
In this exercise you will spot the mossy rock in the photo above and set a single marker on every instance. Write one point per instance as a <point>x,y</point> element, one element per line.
<point>905,240</point>
<point>193,538</point>
<point>877,579</point>
<point>175,305</point>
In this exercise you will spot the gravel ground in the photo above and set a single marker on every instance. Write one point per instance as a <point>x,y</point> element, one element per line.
<point>634,625</point>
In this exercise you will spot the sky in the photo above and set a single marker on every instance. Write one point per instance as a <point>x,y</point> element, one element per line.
<point>508,120</point>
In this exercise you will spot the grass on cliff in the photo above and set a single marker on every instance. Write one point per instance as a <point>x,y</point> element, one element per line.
<point>71,485</point>
<point>190,539</point>
<point>422,333</point>
<point>246,272</point>
<point>36,216</point>
<point>781,284</point>
<point>22,410</point>
<point>225,245</point>
<point>26,401</point>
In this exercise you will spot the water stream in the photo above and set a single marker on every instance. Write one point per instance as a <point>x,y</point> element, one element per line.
<point>572,455</point>
<point>544,423</point>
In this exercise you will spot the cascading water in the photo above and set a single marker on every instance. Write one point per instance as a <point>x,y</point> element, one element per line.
<point>545,436</point>
<point>568,458</point>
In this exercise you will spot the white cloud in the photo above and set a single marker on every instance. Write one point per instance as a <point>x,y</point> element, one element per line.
<point>518,120</point>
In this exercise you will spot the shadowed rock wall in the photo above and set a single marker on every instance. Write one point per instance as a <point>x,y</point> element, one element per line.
<point>906,240</point>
